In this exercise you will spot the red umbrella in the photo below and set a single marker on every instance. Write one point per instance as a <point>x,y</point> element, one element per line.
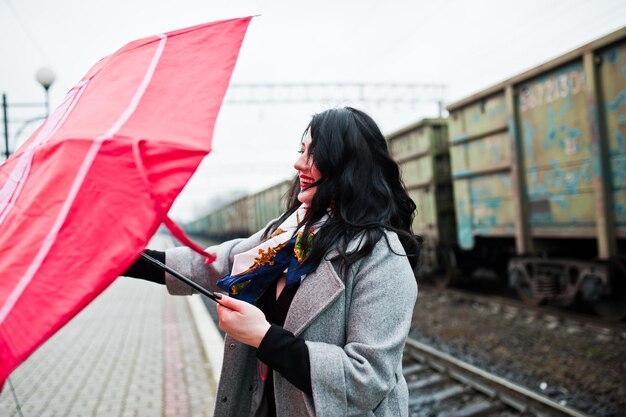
<point>82,197</point>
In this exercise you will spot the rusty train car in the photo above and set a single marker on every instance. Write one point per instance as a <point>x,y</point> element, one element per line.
<point>539,177</point>
<point>524,180</point>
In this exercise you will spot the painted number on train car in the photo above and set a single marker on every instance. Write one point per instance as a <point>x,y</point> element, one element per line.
<point>553,88</point>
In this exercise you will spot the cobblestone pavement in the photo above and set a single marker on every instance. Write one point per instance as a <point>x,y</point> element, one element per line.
<point>134,351</point>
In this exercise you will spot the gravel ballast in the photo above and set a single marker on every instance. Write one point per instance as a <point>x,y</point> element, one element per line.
<point>579,365</point>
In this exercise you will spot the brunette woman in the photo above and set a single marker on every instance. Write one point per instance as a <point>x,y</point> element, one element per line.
<point>320,301</point>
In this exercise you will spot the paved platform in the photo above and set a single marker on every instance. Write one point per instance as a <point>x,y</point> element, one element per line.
<point>134,351</point>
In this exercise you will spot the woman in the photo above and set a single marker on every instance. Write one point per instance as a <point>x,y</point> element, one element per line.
<point>328,287</point>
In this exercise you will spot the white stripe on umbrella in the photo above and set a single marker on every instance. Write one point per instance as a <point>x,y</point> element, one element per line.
<point>17,178</point>
<point>78,181</point>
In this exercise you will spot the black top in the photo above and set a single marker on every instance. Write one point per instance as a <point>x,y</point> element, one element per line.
<point>279,350</point>
<point>143,269</point>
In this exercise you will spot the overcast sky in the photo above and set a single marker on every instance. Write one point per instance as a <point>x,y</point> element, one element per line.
<point>467,45</point>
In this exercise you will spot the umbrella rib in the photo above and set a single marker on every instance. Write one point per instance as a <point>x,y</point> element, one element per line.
<point>52,234</point>
<point>17,178</point>
<point>140,91</point>
<point>78,181</point>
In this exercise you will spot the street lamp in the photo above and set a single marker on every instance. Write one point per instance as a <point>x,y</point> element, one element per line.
<point>45,76</point>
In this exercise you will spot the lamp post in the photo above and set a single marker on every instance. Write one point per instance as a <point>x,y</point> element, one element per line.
<point>45,76</point>
<point>6,126</point>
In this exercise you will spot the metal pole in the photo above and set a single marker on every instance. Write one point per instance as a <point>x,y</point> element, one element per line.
<point>5,107</point>
<point>179,276</point>
<point>47,102</point>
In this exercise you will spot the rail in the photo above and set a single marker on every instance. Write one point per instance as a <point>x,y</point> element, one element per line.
<point>494,387</point>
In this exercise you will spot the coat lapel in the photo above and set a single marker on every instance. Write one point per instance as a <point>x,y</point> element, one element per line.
<point>317,291</point>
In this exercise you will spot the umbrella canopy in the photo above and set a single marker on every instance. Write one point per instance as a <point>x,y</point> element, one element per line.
<point>81,198</point>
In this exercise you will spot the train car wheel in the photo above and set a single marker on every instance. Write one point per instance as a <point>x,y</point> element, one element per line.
<point>611,307</point>
<point>524,287</point>
<point>528,295</point>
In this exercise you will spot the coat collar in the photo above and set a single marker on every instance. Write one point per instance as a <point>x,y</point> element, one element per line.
<point>317,291</point>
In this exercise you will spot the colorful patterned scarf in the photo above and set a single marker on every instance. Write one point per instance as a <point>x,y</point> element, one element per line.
<point>255,270</point>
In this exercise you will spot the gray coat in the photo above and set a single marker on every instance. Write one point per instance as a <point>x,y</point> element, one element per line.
<point>355,327</point>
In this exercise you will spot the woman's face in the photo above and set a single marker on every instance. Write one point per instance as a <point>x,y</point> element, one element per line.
<point>307,171</point>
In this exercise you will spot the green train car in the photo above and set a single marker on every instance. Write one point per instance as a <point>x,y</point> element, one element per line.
<point>421,151</point>
<point>267,205</point>
<point>242,217</point>
<point>539,177</point>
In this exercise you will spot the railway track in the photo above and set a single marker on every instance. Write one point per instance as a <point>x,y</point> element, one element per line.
<point>441,385</point>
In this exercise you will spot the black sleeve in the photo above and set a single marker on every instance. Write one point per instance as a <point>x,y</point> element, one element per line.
<point>287,354</point>
<point>145,270</point>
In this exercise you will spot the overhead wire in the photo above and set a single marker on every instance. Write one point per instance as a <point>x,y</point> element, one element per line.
<point>27,31</point>
<point>565,10</point>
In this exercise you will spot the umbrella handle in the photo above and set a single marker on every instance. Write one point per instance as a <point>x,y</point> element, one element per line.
<point>179,276</point>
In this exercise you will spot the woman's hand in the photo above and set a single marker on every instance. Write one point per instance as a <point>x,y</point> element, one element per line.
<point>242,321</point>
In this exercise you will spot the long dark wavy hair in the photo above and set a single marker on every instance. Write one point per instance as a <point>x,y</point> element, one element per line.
<point>360,185</point>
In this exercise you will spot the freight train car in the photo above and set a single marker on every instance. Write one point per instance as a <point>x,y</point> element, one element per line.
<point>266,205</point>
<point>198,227</point>
<point>421,151</point>
<point>242,217</point>
<point>539,175</point>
